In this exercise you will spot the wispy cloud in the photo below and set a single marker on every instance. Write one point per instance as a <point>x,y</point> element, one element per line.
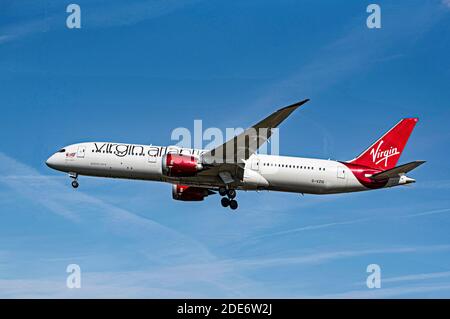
<point>310,227</point>
<point>172,282</point>
<point>169,282</point>
<point>418,277</point>
<point>133,12</point>
<point>313,227</point>
<point>45,17</point>
<point>24,28</point>
<point>430,212</point>
<point>323,257</point>
<point>419,290</point>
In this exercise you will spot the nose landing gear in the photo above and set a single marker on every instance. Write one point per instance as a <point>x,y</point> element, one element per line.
<point>229,200</point>
<point>74,176</point>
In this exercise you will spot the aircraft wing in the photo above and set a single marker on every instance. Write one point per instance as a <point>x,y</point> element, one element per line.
<point>241,147</point>
<point>227,161</point>
<point>397,171</point>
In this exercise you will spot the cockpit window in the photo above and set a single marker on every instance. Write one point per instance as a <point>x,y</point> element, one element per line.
<point>62,150</point>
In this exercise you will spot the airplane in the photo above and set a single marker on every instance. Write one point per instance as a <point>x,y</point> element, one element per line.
<point>236,164</point>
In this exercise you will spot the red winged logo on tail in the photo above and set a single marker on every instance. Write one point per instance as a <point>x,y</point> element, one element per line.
<point>385,152</point>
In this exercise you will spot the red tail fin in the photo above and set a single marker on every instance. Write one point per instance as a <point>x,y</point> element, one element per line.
<point>384,153</point>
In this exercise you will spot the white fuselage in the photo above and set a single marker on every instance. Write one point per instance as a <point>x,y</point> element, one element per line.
<point>262,172</point>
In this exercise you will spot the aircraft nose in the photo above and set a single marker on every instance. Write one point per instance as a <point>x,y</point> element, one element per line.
<point>51,161</point>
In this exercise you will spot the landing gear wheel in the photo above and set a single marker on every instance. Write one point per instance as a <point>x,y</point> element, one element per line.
<point>225,202</point>
<point>75,184</point>
<point>233,204</point>
<point>231,193</point>
<point>222,191</point>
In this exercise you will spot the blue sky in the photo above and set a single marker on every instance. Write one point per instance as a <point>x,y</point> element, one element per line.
<point>138,69</point>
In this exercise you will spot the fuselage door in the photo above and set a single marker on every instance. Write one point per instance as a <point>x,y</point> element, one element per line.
<point>81,151</point>
<point>255,164</point>
<point>341,172</point>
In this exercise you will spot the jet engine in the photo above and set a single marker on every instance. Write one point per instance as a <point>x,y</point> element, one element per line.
<point>180,165</point>
<point>189,193</point>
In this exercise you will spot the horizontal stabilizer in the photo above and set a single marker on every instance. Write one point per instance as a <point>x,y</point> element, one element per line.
<point>397,171</point>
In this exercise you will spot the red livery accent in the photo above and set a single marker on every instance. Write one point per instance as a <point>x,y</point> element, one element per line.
<point>189,193</point>
<point>385,152</point>
<point>362,172</point>
<point>179,165</point>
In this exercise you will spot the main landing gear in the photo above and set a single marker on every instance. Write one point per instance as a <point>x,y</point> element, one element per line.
<point>229,200</point>
<point>74,176</point>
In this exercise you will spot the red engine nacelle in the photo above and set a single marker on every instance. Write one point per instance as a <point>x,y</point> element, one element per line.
<point>189,193</point>
<point>179,165</point>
